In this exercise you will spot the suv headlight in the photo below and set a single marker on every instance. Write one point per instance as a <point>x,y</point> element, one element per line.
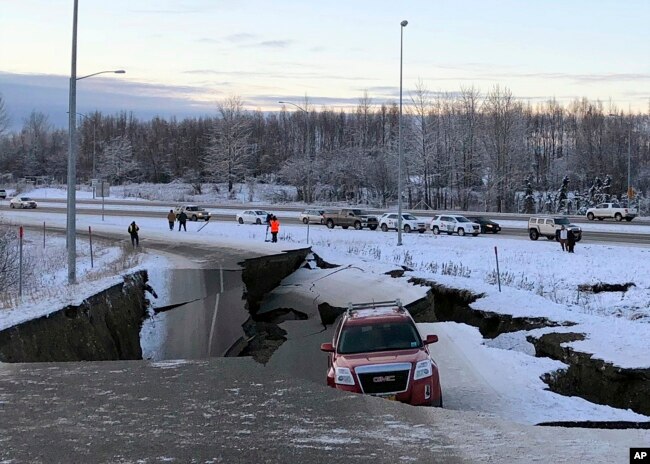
<point>343,376</point>
<point>423,369</point>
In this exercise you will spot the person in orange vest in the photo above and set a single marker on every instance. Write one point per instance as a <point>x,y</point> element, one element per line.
<point>275,228</point>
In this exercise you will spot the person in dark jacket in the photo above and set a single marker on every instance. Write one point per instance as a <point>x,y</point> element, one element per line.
<point>171,217</point>
<point>133,232</point>
<point>570,241</point>
<point>182,219</point>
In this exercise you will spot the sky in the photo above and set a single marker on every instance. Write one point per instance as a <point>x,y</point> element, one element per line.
<point>182,56</point>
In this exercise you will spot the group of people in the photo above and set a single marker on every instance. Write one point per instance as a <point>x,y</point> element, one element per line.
<point>182,220</point>
<point>567,239</point>
<point>271,221</point>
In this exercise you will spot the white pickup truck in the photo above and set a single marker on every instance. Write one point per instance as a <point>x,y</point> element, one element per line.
<point>612,211</point>
<point>194,212</point>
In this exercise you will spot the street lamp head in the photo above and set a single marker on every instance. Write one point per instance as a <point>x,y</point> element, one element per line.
<point>120,71</point>
<point>404,23</point>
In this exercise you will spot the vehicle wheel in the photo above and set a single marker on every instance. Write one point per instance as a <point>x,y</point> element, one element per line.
<point>11,205</point>
<point>194,218</point>
<point>550,238</point>
<point>578,238</point>
<point>330,224</point>
<point>628,219</point>
<point>494,231</point>
<point>590,216</point>
<point>357,225</point>
<point>344,227</point>
<point>435,230</point>
<point>258,221</point>
<point>305,220</point>
<point>422,231</point>
<point>461,231</point>
<point>372,227</point>
<point>322,221</point>
<point>384,228</point>
<point>533,234</point>
<point>407,229</point>
<point>600,219</point>
<point>618,217</point>
<point>475,234</point>
<point>240,220</point>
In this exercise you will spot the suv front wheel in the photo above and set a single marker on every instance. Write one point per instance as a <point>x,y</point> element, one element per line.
<point>533,234</point>
<point>384,228</point>
<point>435,230</point>
<point>461,231</point>
<point>330,224</point>
<point>590,216</point>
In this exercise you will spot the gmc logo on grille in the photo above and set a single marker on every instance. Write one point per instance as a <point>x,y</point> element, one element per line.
<point>383,378</point>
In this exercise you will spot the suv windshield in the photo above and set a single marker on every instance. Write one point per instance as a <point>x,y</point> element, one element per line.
<point>562,221</point>
<point>378,337</point>
<point>192,208</point>
<point>408,217</point>
<point>357,212</point>
<point>461,219</point>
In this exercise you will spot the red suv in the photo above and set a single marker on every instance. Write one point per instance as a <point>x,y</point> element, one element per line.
<point>378,350</point>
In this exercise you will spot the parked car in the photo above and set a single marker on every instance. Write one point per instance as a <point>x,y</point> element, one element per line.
<point>22,202</point>
<point>487,225</point>
<point>194,213</point>
<point>409,223</point>
<point>612,211</point>
<point>377,350</point>
<point>312,216</point>
<point>252,216</point>
<point>3,194</point>
<point>452,223</point>
<point>549,227</point>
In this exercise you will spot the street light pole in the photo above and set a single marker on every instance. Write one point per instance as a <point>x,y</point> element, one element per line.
<point>71,219</point>
<point>399,142</point>
<point>72,158</point>
<point>630,194</point>
<point>307,151</point>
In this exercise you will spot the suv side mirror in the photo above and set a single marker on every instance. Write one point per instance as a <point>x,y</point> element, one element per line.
<point>329,348</point>
<point>429,340</point>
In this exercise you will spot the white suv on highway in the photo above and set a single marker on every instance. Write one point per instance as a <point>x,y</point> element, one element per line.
<point>454,224</point>
<point>409,222</point>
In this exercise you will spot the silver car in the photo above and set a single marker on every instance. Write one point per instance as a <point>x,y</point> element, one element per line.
<point>313,216</point>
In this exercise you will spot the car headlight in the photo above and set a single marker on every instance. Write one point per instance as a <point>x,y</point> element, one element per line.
<point>423,369</point>
<point>343,376</point>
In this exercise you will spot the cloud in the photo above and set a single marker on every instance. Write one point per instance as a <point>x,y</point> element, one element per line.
<point>48,94</point>
<point>274,43</point>
<point>284,75</point>
<point>242,37</point>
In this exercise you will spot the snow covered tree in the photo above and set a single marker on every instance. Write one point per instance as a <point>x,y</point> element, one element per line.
<point>229,144</point>
<point>117,164</point>
<point>529,199</point>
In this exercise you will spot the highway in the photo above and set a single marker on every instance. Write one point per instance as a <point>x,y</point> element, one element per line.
<point>289,215</point>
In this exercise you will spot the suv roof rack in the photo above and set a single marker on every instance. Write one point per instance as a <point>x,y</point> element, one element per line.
<point>375,304</point>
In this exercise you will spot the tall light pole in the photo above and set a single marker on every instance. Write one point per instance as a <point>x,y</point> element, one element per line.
<point>71,219</point>
<point>399,137</point>
<point>307,151</point>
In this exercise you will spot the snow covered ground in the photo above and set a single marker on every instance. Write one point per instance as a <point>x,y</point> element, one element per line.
<point>538,280</point>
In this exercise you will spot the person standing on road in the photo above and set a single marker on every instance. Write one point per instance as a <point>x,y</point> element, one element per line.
<point>171,217</point>
<point>182,219</point>
<point>571,241</point>
<point>275,228</point>
<point>133,231</point>
<point>563,238</point>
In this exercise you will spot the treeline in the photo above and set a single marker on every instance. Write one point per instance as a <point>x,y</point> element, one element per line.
<point>464,150</point>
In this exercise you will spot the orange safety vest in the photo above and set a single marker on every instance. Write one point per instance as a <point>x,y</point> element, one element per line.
<point>275,226</point>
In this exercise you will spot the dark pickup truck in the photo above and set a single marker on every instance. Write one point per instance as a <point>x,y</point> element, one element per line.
<point>347,217</point>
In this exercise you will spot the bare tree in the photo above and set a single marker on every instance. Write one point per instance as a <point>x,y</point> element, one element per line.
<point>229,143</point>
<point>4,118</point>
